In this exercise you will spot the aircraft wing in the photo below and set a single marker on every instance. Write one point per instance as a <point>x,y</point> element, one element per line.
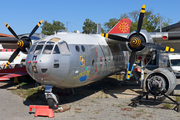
<point>9,42</point>
<point>170,39</point>
<point>12,75</point>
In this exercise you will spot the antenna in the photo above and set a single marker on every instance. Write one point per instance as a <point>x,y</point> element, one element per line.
<point>98,28</point>
<point>66,26</point>
<point>160,26</point>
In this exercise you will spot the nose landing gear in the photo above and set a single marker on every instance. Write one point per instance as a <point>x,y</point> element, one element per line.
<point>52,99</point>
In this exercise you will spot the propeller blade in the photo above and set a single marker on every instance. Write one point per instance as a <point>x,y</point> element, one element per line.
<point>131,64</point>
<point>160,47</point>
<point>11,30</point>
<point>140,19</point>
<point>35,28</point>
<point>115,37</point>
<point>13,56</point>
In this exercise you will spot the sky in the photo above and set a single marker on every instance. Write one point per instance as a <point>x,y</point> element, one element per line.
<point>23,15</point>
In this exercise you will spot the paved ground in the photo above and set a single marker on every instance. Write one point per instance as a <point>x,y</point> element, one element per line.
<point>102,100</point>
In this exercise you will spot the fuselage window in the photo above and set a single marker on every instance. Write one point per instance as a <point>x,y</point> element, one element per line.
<point>38,49</point>
<point>56,50</point>
<point>83,48</point>
<point>32,49</point>
<point>77,48</point>
<point>92,62</point>
<point>47,49</point>
<point>64,49</point>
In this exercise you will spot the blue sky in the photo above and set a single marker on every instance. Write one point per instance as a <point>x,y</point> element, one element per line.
<point>23,15</point>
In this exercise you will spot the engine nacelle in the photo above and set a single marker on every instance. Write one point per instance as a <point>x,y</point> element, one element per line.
<point>145,37</point>
<point>162,79</point>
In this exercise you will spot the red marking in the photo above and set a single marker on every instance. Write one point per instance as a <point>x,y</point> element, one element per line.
<point>123,26</point>
<point>137,70</point>
<point>42,111</point>
<point>97,59</point>
<point>140,58</point>
<point>8,50</point>
<point>28,61</point>
<point>164,37</point>
<point>34,61</point>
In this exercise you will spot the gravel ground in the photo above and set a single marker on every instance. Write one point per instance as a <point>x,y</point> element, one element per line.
<point>103,100</point>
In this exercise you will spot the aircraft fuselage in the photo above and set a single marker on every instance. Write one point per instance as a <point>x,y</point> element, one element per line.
<point>68,60</point>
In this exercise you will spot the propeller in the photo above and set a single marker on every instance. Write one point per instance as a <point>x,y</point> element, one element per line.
<point>22,43</point>
<point>134,42</point>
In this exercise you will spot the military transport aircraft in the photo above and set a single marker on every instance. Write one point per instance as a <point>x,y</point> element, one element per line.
<point>69,60</point>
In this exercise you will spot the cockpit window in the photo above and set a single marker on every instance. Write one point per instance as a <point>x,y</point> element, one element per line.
<point>42,42</point>
<point>47,49</point>
<point>64,49</point>
<point>38,49</point>
<point>56,50</point>
<point>50,42</point>
<point>32,49</point>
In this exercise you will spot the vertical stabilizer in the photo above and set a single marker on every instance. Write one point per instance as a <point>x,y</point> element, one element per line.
<point>123,26</point>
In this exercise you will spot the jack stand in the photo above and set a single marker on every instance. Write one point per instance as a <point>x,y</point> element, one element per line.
<point>42,111</point>
<point>156,91</point>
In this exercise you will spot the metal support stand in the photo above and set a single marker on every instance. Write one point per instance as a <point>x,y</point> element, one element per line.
<point>156,91</point>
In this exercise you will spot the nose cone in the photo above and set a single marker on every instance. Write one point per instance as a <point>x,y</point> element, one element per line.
<point>48,69</point>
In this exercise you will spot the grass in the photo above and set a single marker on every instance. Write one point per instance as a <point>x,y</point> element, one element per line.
<point>29,93</point>
<point>167,106</point>
<point>177,98</point>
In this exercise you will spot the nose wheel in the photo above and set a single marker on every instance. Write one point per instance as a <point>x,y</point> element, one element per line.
<point>52,99</point>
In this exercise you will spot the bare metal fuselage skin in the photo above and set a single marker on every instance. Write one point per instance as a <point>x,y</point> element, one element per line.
<point>81,60</point>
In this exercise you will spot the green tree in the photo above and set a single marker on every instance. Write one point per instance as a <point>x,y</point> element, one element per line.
<point>89,27</point>
<point>48,28</point>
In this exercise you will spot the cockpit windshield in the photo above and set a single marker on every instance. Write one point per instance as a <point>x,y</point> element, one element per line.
<point>64,49</point>
<point>32,49</point>
<point>56,50</point>
<point>47,49</point>
<point>38,49</point>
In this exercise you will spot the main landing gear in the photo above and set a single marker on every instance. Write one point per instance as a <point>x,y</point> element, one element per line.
<point>52,99</point>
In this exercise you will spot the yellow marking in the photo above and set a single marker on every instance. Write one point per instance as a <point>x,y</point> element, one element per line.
<point>129,72</point>
<point>143,6</point>
<point>171,50</point>
<point>167,48</point>
<point>102,34</point>
<point>22,43</point>
<point>38,24</point>
<point>143,9</point>
<point>128,76</point>
<point>106,35</point>
<point>41,21</point>
<point>6,65</point>
<point>8,62</point>
<point>16,57</point>
<point>6,25</point>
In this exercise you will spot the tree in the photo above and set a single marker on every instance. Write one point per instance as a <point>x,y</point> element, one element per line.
<point>48,28</point>
<point>89,27</point>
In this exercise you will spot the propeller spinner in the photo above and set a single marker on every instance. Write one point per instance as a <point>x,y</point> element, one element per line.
<point>22,43</point>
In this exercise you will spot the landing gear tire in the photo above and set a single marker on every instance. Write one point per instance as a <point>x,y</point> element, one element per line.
<point>52,104</point>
